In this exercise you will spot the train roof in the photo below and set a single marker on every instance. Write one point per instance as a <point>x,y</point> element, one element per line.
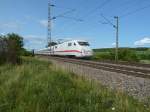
<point>73,41</point>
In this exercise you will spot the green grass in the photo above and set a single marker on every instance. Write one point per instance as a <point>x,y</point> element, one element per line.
<point>128,55</point>
<point>35,86</point>
<point>145,61</point>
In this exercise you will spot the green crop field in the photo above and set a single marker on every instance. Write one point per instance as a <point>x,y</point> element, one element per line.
<point>35,86</point>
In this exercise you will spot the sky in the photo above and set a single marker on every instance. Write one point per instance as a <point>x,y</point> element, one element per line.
<point>28,18</point>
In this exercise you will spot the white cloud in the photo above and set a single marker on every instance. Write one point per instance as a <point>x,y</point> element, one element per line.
<point>10,25</point>
<point>144,41</point>
<point>28,17</point>
<point>34,42</point>
<point>43,23</point>
<point>2,33</point>
<point>113,44</point>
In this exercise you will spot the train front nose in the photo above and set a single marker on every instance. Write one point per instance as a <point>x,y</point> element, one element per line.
<point>87,52</point>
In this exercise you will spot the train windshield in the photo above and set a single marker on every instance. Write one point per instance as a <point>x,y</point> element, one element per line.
<point>84,43</point>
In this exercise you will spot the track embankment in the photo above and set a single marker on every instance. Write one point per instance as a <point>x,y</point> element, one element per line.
<point>132,79</point>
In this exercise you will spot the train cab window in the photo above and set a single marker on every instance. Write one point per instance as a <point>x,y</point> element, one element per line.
<point>69,44</point>
<point>84,43</point>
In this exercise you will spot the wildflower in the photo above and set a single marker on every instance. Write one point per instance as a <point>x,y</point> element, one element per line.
<point>113,108</point>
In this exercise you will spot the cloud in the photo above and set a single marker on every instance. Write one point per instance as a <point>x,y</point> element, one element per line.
<point>34,42</point>
<point>144,41</point>
<point>10,25</point>
<point>28,17</point>
<point>44,23</point>
<point>2,33</point>
<point>113,44</point>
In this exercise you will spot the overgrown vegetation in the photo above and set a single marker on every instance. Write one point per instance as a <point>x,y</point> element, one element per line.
<point>144,55</point>
<point>35,86</point>
<point>25,52</point>
<point>11,49</point>
<point>125,54</point>
<point>11,46</point>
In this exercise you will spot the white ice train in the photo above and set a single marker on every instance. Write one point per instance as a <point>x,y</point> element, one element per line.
<point>71,48</point>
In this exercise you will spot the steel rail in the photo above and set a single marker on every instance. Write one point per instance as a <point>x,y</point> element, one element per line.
<point>143,72</point>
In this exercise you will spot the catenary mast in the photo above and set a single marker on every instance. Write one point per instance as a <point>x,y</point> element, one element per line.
<point>49,35</point>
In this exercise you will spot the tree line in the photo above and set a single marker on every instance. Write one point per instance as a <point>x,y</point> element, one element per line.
<point>124,54</point>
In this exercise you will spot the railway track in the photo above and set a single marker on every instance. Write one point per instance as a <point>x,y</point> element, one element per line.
<point>136,70</point>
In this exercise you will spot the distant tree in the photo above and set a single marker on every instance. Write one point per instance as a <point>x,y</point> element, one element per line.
<point>141,49</point>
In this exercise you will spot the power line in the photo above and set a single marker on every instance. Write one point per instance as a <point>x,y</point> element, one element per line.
<point>101,5</point>
<point>72,10</point>
<point>67,12</point>
<point>123,5</point>
<point>98,7</point>
<point>55,6</point>
<point>134,11</point>
<point>108,21</point>
<point>129,2</point>
<point>73,18</point>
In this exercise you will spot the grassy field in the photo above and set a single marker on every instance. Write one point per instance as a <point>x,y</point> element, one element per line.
<point>141,55</point>
<point>35,86</point>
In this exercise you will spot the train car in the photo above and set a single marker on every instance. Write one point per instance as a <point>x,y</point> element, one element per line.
<point>71,48</point>
<point>45,51</point>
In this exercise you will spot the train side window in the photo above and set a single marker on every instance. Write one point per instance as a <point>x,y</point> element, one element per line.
<point>69,44</point>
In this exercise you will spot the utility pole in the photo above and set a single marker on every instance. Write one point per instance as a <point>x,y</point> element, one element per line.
<point>49,35</point>
<point>49,26</point>
<point>117,34</point>
<point>117,37</point>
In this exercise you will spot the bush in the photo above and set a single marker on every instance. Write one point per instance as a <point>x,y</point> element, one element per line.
<point>3,49</point>
<point>27,53</point>
<point>103,56</point>
<point>144,55</point>
<point>128,55</point>
<point>11,47</point>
